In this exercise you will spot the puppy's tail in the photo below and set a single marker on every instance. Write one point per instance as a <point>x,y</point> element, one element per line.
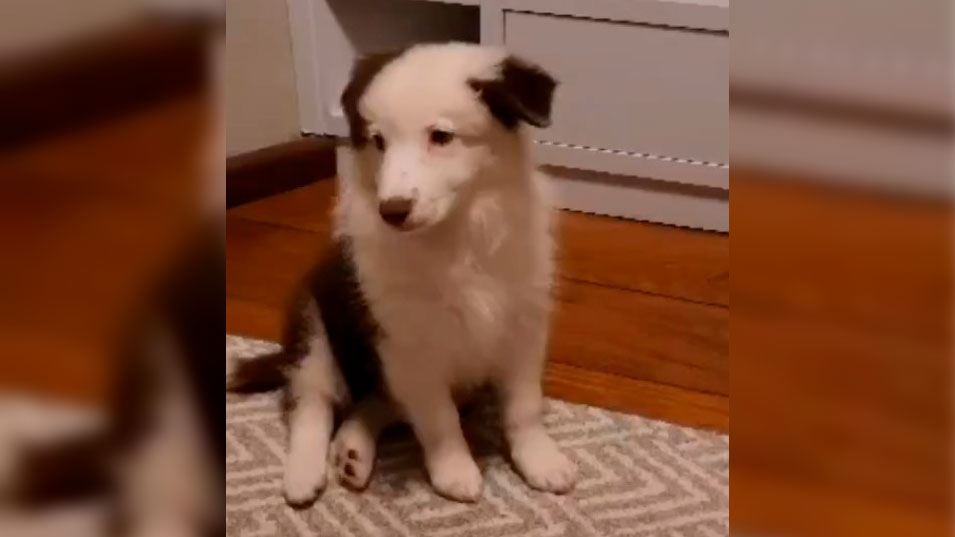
<point>258,374</point>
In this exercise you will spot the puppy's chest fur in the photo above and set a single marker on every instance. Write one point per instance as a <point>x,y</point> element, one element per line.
<point>453,302</point>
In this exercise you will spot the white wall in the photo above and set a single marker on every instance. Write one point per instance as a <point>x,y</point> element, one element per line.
<point>261,102</point>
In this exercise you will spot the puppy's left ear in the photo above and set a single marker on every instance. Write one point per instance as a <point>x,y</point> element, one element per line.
<point>521,91</point>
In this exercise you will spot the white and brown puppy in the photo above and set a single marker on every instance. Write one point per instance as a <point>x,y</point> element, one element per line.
<point>440,279</point>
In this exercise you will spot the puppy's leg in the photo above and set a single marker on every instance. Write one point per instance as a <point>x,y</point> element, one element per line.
<point>534,453</point>
<point>353,450</point>
<point>310,427</point>
<point>426,400</point>
<point>313,389</point>
<point>451,467</point>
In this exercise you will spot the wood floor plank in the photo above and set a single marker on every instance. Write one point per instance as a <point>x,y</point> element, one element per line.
<point>306,208</point>
<point>649,399</point>
<point>252,319</point>
<point>642,336</point>
<point>663,260</point>
<point>265,262</point>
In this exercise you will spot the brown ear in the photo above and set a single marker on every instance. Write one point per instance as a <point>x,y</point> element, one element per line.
<point>362,73</point>
<point>522,91</point>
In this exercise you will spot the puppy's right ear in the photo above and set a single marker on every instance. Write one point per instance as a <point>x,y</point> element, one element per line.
<point>363,72</point>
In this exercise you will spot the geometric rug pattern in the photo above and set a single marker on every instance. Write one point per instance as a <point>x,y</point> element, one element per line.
<point>637,477</point>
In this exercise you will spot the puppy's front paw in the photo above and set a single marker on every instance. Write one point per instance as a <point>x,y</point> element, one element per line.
<point>456,477</point>
<point>304,481</point>
<point>543,465</point>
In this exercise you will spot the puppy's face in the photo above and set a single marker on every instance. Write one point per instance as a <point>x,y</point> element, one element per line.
<point>430,122</point>
<point>425,148</point>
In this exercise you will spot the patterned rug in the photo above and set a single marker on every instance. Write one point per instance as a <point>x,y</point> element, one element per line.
<point>638,477</point>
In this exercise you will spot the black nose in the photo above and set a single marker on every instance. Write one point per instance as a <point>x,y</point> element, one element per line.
<point>395,210</point>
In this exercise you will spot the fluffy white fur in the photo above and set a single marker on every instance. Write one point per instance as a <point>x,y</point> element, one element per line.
<point>463,298</point>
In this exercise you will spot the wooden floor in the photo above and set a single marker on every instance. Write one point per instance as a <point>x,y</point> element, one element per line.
<point>88,217</point>
<point>642,317</point>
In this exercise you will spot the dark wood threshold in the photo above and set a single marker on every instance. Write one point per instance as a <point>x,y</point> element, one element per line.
<point>872,115</point>
<point>98,78</point>
<point>278,168</point>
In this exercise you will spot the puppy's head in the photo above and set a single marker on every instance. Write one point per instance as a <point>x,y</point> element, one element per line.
<point>428,123</point>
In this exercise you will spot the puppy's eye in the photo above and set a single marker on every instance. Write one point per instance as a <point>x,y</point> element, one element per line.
<point>440,137</point>
<point>379,141</point>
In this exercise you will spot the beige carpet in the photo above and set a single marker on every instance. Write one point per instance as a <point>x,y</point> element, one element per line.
<point>639,477</point>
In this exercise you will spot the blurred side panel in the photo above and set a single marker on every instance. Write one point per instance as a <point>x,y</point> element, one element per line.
<point>842,267</point>
<point>111,188</point>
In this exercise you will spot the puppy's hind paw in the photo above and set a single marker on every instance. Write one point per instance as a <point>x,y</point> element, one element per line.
<point>353,456</point>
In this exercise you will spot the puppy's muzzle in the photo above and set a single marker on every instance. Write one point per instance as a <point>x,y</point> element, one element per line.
<point>395,211</point>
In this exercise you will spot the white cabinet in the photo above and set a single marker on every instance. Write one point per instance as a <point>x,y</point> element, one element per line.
<point>640,118</point>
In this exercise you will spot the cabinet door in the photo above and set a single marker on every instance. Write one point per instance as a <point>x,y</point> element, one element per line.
<point>649,94</point>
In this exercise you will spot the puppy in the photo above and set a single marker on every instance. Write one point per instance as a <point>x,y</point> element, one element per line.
<point>439,280</point>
